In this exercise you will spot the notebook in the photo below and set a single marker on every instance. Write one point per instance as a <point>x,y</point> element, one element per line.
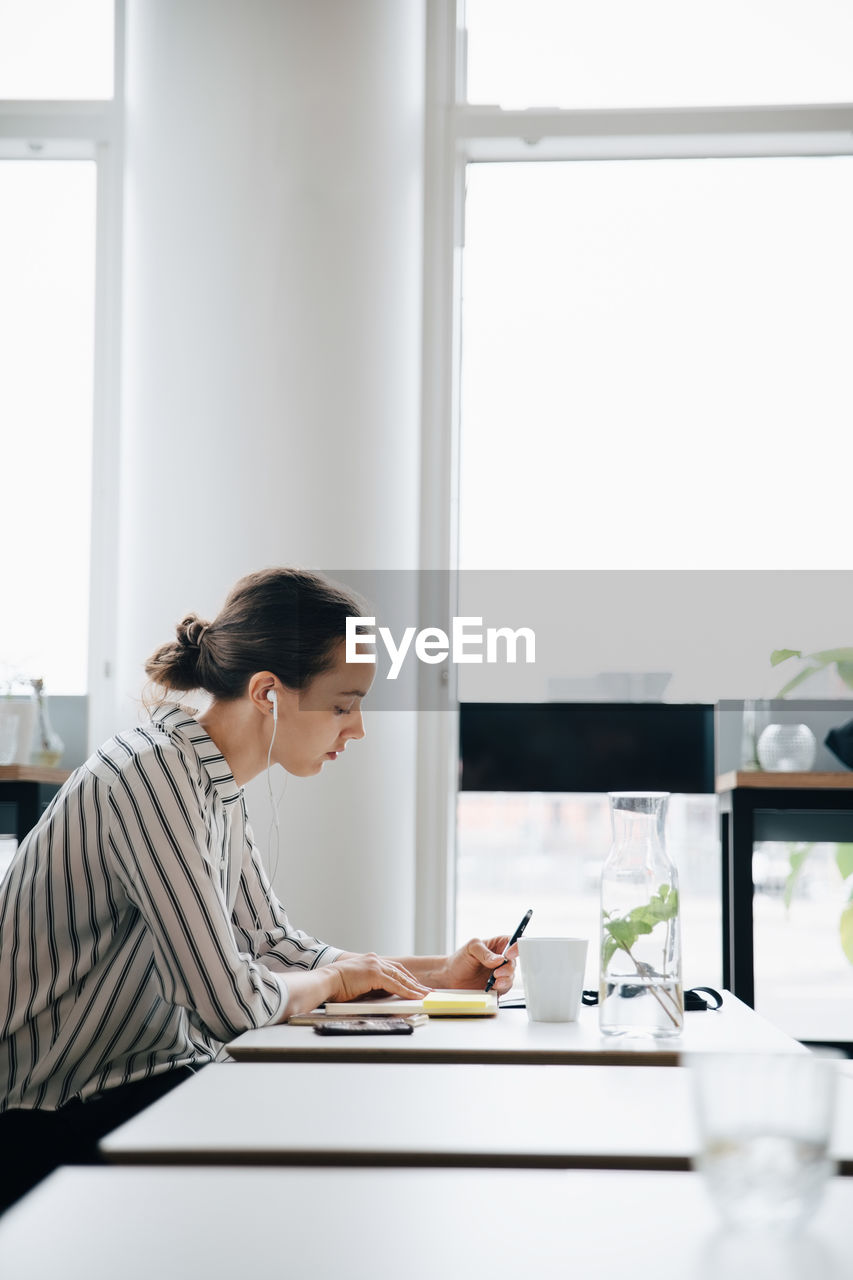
<point>438,1004</point>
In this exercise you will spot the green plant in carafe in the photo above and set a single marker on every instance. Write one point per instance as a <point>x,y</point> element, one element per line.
<point>640,988</point>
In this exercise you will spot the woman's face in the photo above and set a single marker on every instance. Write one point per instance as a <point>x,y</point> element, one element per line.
<point>314,726</point>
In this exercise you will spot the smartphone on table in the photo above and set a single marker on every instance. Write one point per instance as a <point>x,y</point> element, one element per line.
<point>365,1027</point>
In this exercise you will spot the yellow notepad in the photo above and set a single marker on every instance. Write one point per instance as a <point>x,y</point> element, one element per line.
<point>469,1003</point>
<point>438,1004</point>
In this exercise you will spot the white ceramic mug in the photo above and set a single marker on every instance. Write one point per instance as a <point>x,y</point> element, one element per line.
<point>553,970</point>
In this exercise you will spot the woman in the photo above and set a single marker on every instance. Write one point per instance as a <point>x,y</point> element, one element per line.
<point>138,929</point>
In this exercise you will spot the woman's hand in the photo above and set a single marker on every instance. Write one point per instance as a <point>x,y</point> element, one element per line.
<point>468,969</point>
<point>471,966</point>
<point>358,974</point>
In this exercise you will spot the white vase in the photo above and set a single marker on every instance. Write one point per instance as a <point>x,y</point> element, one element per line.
<point>23,711</point>
<point>8,733</point>
<point>787,748</point>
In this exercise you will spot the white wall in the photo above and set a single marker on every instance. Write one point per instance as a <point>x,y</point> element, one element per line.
<point>271,339</point>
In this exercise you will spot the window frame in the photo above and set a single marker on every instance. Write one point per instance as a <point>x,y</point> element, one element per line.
<point>51,130</point>
<point>458,134</point>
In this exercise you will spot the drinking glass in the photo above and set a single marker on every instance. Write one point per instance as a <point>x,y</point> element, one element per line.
<point>765,1126</point>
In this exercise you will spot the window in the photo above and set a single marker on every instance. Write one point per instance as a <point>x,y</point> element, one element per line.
<point>668,338</point>
<point>47,264</point>
<point>56,49</point>
<point>60,188</point>
<point>661,53</point>
<point>638,361</point>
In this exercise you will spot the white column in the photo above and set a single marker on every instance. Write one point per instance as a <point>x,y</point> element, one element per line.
<point>271,366</point>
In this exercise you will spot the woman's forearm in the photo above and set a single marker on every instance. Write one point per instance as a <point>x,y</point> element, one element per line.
<point>309,989</point>
<point>349,976</point>
<point>432,971</point>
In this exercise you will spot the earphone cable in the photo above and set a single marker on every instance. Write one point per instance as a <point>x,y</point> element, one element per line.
<point>274,804</point>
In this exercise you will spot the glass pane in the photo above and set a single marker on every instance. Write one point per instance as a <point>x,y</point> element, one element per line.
<point>56,48</point>
<point>803,980</point>
<point>650,635</point>
<point>520,850</point>
<point>620,53</point>
<point>47,265</point>
<point>655,364</point>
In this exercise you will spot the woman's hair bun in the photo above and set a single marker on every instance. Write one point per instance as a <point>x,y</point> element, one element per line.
<point>176,665</point>
<point>190,631</point>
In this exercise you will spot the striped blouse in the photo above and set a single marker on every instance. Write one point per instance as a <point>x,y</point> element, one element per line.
<point>138,929</point>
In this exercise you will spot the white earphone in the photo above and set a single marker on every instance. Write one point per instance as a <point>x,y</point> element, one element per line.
<point>271,697</point>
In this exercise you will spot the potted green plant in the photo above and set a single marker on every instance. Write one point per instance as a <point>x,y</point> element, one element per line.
<point>798,853</point>
<point>841,659</point>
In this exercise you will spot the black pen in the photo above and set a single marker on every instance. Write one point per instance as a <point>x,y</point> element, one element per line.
<point>515,937</point>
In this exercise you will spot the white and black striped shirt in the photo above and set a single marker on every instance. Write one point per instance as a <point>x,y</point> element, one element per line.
<point>138,929</point>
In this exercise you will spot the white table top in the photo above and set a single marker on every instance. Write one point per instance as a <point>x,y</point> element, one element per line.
<point>382,1224</point>
<point>510,1037</point>
<point>421,1114</point>
<point>301,1112</point>
<point>809,1010</point>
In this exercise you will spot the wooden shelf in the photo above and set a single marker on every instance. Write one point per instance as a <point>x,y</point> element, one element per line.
<point>33,773</point>
<point>785,781</point>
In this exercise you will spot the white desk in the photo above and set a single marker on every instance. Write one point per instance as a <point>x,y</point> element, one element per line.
<point>416,1114</point>
<point>511,1038</point>
<point>380,1224</point>
<point>419,1114</point>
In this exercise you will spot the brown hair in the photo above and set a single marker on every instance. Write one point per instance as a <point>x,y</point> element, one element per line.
<point>287,621</point>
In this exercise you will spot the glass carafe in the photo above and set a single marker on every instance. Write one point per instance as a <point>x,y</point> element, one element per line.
<point>640,991</point>
<point>47,745</point>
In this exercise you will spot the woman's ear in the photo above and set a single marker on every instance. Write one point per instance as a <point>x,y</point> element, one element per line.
<point>263,692</point>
